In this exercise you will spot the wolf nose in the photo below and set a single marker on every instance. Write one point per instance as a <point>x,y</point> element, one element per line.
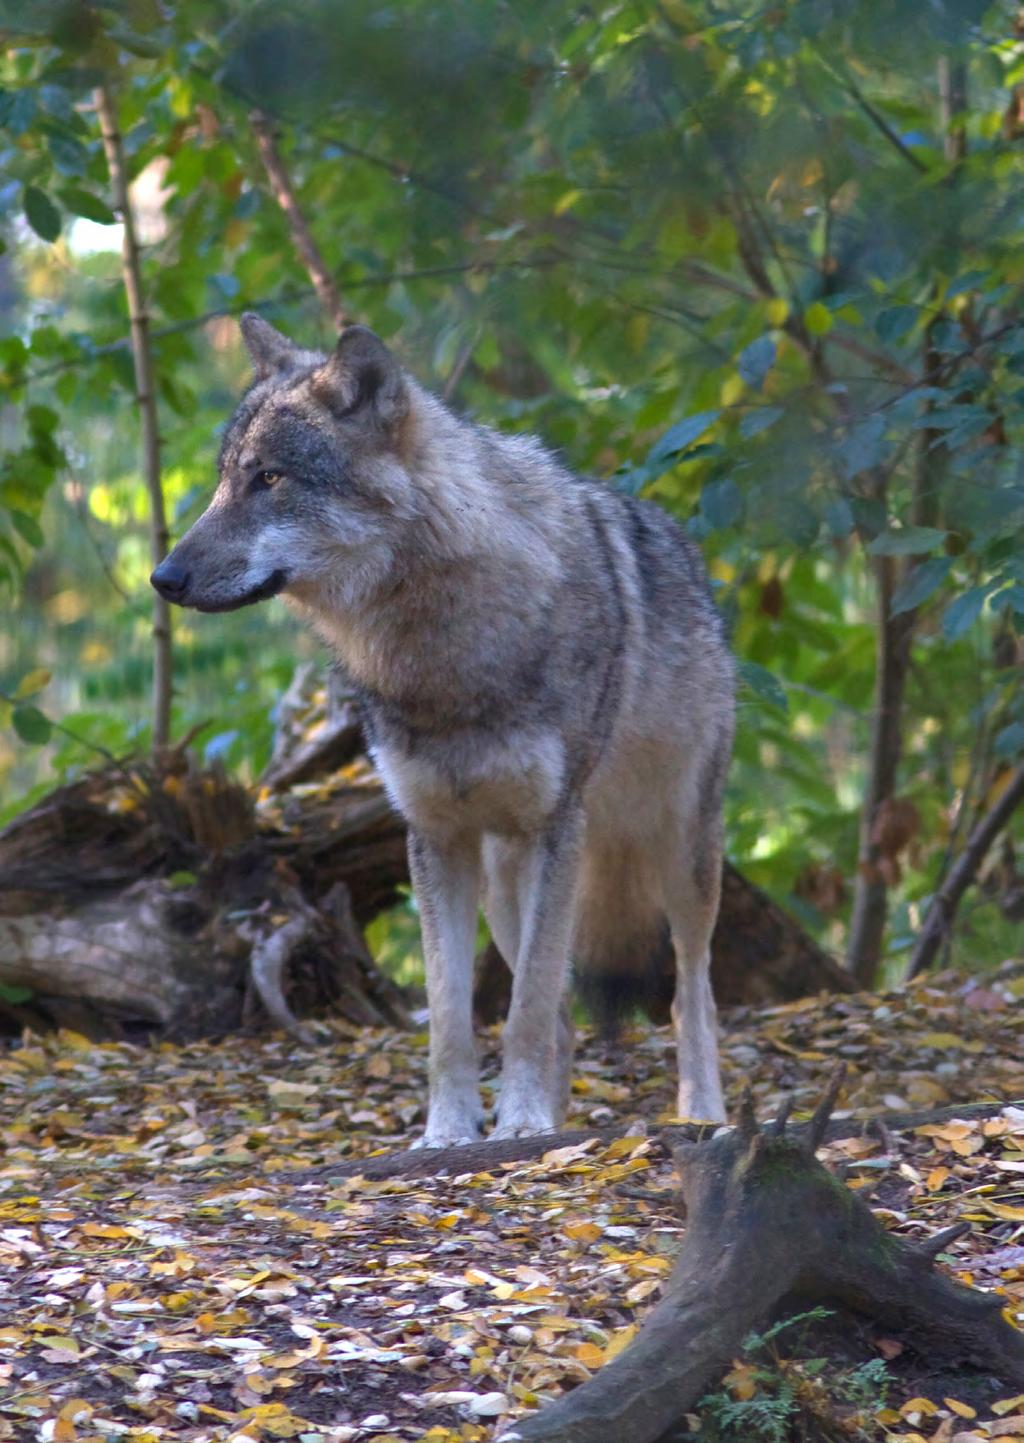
<point>170,580</point>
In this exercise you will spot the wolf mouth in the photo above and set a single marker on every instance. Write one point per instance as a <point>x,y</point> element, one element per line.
<point>275,582</point>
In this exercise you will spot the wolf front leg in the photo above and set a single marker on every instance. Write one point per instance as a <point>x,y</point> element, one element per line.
<point>538,1034</point>
<point>446,879</point>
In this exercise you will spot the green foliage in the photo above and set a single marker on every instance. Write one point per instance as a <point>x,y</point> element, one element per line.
<point>767,1398</point>
<point>721,255</point>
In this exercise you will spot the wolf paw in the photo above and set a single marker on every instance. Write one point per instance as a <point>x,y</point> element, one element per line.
<point>524,1129</point>
<point>454,1127</point>
<point>527,1119</point>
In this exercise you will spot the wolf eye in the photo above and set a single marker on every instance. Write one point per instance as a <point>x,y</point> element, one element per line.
<point>263,480</point>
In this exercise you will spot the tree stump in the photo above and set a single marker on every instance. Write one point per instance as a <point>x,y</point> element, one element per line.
<point>768,1228</point>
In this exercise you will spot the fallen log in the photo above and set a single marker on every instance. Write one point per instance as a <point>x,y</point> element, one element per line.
<point>162,898</point>
<point>153,899</point>
<point>769,1227</point>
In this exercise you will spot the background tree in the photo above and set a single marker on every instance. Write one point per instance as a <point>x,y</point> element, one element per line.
<point>761,264</point>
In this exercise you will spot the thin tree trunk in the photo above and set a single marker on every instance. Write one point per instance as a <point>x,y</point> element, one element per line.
<point>943,907</point>
<point>870,902</point>
<point>302,237</point>
<point>145,395</point>
<point>896,633</point>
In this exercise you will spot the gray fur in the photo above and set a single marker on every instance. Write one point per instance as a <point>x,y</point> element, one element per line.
<point>548,692</point>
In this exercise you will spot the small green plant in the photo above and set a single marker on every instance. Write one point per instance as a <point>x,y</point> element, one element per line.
<point>865,1388</point>
<point>767,1398</point>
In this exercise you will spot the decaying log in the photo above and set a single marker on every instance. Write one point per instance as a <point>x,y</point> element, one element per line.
<point>154,899</point>
<point>768,1225</point>
<point>318,729</point>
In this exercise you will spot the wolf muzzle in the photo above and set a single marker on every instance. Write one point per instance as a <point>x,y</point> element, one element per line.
<point>172,581</point>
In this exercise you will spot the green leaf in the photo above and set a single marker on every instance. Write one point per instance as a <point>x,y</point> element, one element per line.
<point>920,584</point>
<point>84,203</point>
<point>908,541</point>
<point>32,682</point>
<point>683,434</point>
<point>41,213</point>
<point>962,613</point>
<point>892,324</point>
<point>27,527</point>
<point>182,879</point>
<point>1010,740</point>
<point>756,421</point>
<point>839,517</point>
<point>1011,599</point>
<point>31,725</point>
<point>756,361</point>
<point>818,319</point>
<point>721,503</point>
<point>862,447</point>
<point>11,992</point>
<point>763,683</point>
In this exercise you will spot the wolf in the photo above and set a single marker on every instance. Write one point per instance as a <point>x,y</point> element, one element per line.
<point>546,685</point>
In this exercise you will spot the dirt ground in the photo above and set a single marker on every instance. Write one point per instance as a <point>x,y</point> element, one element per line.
<point>180,1261</point>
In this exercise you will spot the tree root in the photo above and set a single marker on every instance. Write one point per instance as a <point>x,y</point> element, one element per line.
<point>767,1222</point>
<point>269,960</point>
<point>487,1155</point>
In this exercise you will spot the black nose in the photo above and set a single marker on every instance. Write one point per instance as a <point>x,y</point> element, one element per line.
<point>170,579</point>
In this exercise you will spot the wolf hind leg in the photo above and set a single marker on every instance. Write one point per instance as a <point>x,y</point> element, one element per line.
<point>504,861</point>
<point>691,877</point>
<point>537,1045</point>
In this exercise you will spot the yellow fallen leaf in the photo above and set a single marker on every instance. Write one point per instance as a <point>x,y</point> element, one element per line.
<point>623,1146</point>
<point>76,1409</point>
<point>1003,1211</point>
<point>919,1405</point>
<point>582,1232</point>
<point>621,1338</point>
<point>559,1156</point>
<point>967,1146</point>
<point>943,1040</point>
<point>963,1410</point>
<point>106,1230</point>
<point>741,1380</point>
<point>589,1354</point>
<point>57,1343</point>
<point>1007,1405</point>
<point>936,1178</point>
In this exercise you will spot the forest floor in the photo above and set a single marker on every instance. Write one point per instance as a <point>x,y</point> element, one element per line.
<point>179,1261</point>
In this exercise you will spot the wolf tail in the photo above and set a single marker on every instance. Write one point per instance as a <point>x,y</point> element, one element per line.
<point>623,955</point>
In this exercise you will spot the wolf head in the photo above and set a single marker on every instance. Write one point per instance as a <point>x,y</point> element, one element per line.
<point>313,491</point>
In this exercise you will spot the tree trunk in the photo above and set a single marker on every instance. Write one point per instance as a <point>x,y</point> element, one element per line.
<point>145,398</point>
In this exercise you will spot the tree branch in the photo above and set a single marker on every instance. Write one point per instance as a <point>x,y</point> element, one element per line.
<point>943,907</point>
<point>145,395</point>
<point>302,237</point>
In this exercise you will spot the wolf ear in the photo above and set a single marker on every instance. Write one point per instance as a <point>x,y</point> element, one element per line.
<point>268,350</point>
<point>363,378</point>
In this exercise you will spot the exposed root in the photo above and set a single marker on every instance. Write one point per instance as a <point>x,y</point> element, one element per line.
<point>767,1222</point>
